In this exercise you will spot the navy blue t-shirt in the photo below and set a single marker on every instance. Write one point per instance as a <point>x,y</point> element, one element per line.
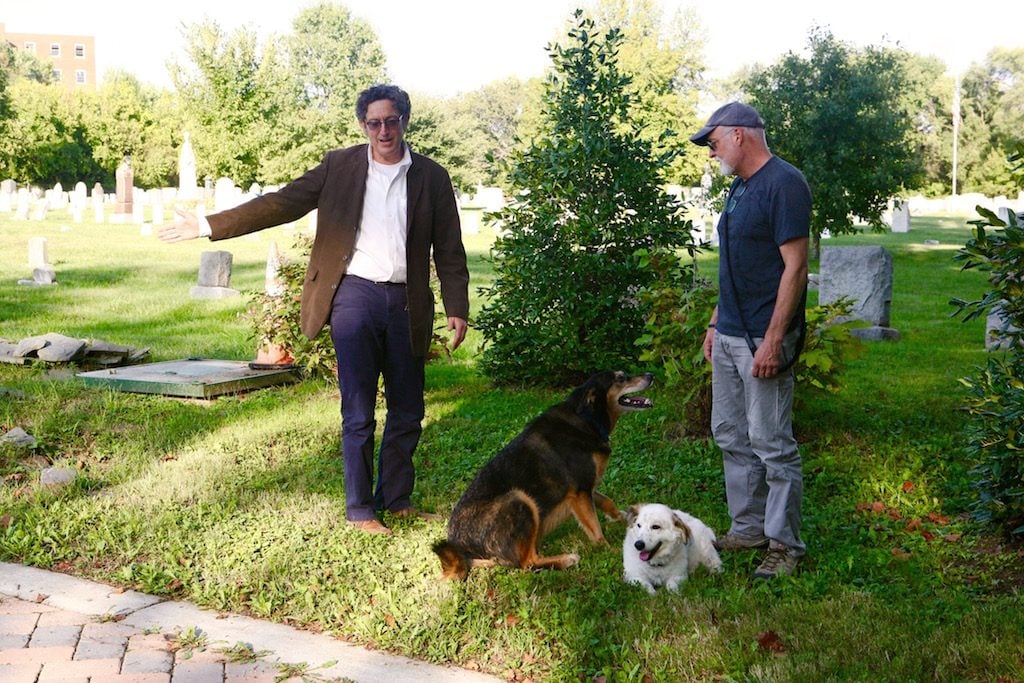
<point>772,207</point>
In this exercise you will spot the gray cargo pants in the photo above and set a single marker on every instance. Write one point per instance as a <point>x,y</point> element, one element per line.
<point>751,421</point>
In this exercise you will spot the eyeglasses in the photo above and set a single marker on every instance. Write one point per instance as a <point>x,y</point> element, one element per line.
<point>713,144</point>
<point>734,197</point>
<point>391,122</point>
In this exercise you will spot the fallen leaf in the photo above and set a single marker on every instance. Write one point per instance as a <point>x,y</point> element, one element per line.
<point>936,518</point>
<point>908,486</point>
<point>878,507</point>
<point>953,538</point>
<point>927,535</point>
<point>914,524</point>
<point>41,597</point>
<point>900,554</point>
<point>390,620</point>
<point>770,641</point>
<point>511,620</point>
<point>893,513</point>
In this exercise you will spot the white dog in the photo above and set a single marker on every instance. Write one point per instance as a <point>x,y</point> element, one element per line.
<point>663,546</point>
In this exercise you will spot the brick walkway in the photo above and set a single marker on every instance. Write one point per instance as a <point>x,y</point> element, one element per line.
<point>55,627</point>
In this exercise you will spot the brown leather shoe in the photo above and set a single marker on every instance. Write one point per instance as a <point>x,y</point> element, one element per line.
<point>370,526</point>
<point>410,513</point>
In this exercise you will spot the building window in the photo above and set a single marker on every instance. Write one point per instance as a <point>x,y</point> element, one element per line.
<point>80,76</point>
<point>57,76</point>
<point>55,49</point>
<point>31,47</point>
<point>79,50</point>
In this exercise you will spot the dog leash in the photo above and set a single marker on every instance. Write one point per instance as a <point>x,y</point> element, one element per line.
<point>727,253</point>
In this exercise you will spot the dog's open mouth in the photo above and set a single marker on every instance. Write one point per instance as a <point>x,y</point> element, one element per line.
<point>646,555</point>
<point>635,402</point>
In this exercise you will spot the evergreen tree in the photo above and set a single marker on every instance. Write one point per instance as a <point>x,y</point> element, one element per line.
<point>588,213</point>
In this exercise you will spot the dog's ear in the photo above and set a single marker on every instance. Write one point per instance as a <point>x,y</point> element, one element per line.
<point>632,512</point>
<point>681,525</point>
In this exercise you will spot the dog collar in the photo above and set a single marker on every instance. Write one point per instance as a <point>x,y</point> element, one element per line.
<point>601,430</point>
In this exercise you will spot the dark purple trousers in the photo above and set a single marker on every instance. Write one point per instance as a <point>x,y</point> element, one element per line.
<point>370,329</point>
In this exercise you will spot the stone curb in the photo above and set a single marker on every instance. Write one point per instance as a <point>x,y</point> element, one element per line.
<point>283,644</point>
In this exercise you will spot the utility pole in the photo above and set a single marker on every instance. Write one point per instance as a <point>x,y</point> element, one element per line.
<point>956,127</point>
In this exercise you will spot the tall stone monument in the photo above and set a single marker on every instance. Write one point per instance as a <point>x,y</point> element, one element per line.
<point>125,180</point>
<point>187,188</point>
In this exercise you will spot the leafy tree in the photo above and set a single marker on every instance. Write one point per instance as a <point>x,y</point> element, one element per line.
<point>929,95</point>
<point>438,130</point>
<point>47,139</point>
<point>489,122</point>
<point>993,119</point>
<point>840,116</point>
<point>232,99</point>
<point>664,59</point>
<point>589,203</point>
<point>330,57</point>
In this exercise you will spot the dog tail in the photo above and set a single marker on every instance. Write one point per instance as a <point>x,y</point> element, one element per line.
<point>455,561</point>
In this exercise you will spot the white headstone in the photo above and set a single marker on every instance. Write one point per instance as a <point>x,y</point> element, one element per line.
<point>187,183</point>
<point>37,256</point>
<point>900,215</point>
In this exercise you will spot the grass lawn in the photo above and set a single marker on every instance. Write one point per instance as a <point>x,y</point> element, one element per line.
<point>237,503</point>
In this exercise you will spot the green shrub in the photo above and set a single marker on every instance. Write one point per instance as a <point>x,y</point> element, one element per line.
<point>589,199</point>
<point>275,319</point>
<point>680,307</point>
<point>995,396</point>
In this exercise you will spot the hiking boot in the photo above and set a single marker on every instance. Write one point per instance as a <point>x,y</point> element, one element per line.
<point>369,526</point>
<point>734,542</point>
<point>780,561</point>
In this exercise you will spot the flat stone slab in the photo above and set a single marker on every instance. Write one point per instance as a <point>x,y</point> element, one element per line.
<point>68,592</point>
<point>191,377</point>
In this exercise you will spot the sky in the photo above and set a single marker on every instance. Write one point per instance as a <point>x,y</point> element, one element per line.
<point>444,47</point>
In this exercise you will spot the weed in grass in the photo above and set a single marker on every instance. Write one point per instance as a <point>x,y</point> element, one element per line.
<point>242,653</point>
<point>188,640</point>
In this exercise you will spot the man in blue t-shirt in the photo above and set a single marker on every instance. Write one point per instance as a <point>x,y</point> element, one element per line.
<point>754,335</point>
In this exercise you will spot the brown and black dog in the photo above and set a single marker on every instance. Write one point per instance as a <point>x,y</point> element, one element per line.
<point>550,471</point>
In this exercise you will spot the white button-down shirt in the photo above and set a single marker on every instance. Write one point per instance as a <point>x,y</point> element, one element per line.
<point>379,252</point>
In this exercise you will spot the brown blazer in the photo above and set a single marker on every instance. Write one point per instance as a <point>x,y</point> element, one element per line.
<point>336,189</point>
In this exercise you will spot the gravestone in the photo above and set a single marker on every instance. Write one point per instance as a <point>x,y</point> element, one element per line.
<point>24,205</point>
<point>226,195</point>
<point>97,203</point>
<point>6,204</point>
<point>138,206</point>
<point>214,276</point>
<point>125,179</point>
<point>8,186</point>
<point>187,188</point>
<point>38,260</point>
<point>901,215</point>
<point>864,275</point>
<point>39,208</point>
<point>998,330</point>
<point>272,276</point>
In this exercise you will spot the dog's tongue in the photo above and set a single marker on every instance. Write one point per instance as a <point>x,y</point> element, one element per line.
<point>645,555</point>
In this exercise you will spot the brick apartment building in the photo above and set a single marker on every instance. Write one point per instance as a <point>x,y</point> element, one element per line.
<point>73,57</point>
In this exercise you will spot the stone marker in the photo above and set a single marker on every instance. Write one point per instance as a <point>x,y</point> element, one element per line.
<point>125,179</point>
<point>214,276</point>
<point>900,215</point>
<point>998,330</point>
<point>863,274</point>
<point>187,188</point>
<point>42,272</point>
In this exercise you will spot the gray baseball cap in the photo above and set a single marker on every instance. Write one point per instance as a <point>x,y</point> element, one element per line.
<point>732,114</point>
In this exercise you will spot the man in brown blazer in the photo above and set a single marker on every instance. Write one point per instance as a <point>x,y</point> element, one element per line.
<point>382,211</point>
